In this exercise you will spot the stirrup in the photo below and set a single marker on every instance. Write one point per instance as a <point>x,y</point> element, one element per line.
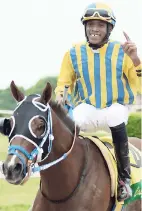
<point>124,191</point>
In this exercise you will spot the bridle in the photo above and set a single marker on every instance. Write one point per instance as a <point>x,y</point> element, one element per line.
<point>34,157</point>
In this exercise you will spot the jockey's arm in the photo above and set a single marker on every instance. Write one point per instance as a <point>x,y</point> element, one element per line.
<point>133,74</point>
<point>66,77</point>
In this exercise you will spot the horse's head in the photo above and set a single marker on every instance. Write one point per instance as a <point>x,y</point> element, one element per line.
<point>30,128</point>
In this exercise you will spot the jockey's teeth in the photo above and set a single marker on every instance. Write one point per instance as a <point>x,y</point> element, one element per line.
<point>94,35</point>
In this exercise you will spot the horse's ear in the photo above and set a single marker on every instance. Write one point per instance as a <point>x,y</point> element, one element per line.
<point>17,94</point>
<point>46,94</point>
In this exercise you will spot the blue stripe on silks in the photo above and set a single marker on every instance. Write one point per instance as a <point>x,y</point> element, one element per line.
<point>120,86</point>
<point>97,80</point>
<point>69,98</point>
<point>75,66</point>
<point>85,72</point>
<point>109,73</point>
<point>131,95</point>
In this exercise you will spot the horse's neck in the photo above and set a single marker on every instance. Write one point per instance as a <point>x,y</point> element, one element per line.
<point>64,175</point>
<point>63,138</point>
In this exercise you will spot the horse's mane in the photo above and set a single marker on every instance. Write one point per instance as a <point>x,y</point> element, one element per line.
<point>62,114</point>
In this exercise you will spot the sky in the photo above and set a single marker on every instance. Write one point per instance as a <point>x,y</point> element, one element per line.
<point>35,34</point>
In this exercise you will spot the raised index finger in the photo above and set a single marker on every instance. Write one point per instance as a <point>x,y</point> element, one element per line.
<point>126,36</point>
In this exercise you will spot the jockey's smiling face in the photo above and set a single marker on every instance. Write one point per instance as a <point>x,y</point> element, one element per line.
<point>96,31</point>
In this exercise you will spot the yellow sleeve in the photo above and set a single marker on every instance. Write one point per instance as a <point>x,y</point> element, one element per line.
<point>134,74</point>
<point>138,70</point>
<point>67,75</point>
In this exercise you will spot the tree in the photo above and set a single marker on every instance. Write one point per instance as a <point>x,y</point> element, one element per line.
<point>7,102</point>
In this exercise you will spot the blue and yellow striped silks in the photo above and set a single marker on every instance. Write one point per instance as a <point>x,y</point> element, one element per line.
<point>100,78</point>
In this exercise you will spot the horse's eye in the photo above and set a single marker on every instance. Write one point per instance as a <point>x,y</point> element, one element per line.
<point>38,127</point>
<point>41,126</point>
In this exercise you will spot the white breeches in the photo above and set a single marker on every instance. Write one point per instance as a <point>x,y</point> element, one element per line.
<point>91,119</point>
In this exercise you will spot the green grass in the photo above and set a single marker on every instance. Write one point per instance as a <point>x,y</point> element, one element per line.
<point>14,195</point>
<point>15,198</point>
<point>15,208</point>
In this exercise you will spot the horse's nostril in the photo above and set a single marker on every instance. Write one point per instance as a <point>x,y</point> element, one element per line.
<point>12,170</point>
<point>18,168</point>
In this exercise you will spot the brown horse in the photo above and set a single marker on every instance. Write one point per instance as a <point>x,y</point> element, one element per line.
<point>78,178</point>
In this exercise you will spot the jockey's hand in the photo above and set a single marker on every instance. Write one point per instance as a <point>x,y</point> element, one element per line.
<point>130,49</point>
<point>59,99</point>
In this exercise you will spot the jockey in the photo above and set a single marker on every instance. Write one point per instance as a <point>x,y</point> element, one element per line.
<point>105,77</point>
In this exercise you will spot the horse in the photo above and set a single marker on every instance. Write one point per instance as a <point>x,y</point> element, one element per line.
<point>73,172</point>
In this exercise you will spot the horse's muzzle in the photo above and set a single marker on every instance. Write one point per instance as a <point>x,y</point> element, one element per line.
<point>13,172</point>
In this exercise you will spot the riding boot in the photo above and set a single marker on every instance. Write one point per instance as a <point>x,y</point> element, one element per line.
<point>120,141</point>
